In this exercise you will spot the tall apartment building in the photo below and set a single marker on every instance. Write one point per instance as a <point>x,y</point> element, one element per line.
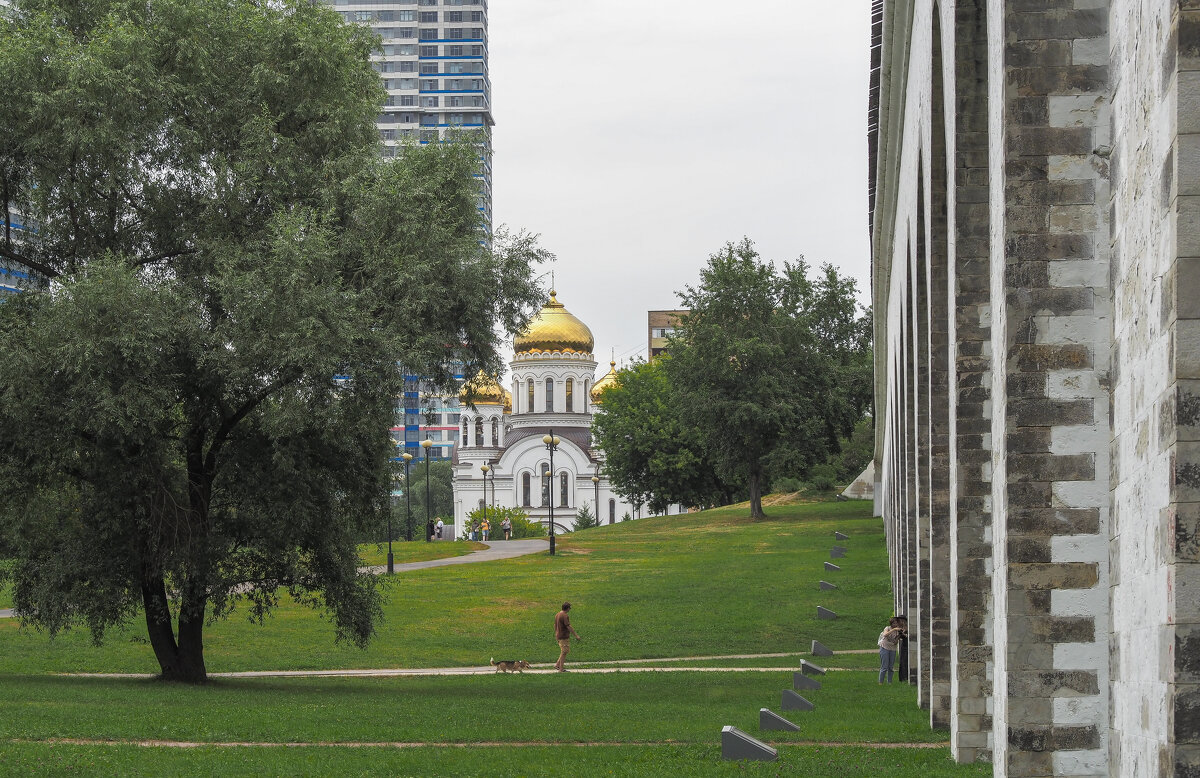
<point>433,59</point>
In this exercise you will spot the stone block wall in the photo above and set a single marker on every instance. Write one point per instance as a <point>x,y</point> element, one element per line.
<point>1038,295</point>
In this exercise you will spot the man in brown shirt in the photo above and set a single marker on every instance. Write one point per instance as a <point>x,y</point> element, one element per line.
<point>562,633</point>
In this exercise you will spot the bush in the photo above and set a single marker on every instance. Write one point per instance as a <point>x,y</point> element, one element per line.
<point>787,484</point>
<point>584,518</point>
<point>522,527</point>
<point>823,477</point>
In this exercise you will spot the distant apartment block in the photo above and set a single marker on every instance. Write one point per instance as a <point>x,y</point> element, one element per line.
<point>433,60</point>
<point>660,325</point>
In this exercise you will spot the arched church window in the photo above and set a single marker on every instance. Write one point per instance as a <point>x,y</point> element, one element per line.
<point>612,511</point>
<point>545,485</point>
<point>466,433</point>
<point>562,490</point>
<point>479,432</point>
<point>529,403</point>
<point>570,395</point>
<point>495,432</point>
<point>549,395</point>
<point>525,493</point>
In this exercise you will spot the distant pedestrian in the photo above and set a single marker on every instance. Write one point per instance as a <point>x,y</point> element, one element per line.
<point>562,633</point>
<point>474,530</point>
<point>506,525</point>
<point>902,654</point>
<point>487,528</point>
<point>437,528</point>
<point>888,642</point>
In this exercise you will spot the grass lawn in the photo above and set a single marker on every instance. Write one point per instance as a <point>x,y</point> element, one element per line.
<point>373,554</point>
<point>692,585</point>
<point>643,707</point>
<point>618,762</point>
<point>696,585</point>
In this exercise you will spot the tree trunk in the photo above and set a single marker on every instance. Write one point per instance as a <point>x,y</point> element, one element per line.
<point>182,661</point>
<point>755,484</point>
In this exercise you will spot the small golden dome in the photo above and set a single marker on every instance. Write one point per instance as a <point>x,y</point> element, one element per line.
<point>554,329</point>
<point>483,389</point>
<point>609,379</point>
<point>507,401</point>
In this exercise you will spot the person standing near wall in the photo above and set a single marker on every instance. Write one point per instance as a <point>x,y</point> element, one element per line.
<point>888,645</point>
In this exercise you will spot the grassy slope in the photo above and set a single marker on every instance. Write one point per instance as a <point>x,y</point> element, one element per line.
<point>416,551</point>
<point>700,584</point>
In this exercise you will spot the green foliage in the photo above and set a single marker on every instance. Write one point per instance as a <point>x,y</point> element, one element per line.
<point>823,477</point>
<point>786,484</point>
<point>626,517</point>
<point>440,496</point>
<point>855,452</point>
<point>522,527</point>
<point>194,413</point>
<point>585,518</point>
<point>769,367</point>
<point>652,455</point>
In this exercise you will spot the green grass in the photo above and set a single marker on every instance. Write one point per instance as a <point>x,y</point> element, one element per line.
<point>792,662</point>
<point>643,707</point>
<point>692,585</point>
<point>618,762</point>
<point>374,554</point>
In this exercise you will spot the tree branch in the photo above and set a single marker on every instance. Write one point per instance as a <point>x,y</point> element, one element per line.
<point>32,264</point>
<point>230,422</point>
<point>163,256</point>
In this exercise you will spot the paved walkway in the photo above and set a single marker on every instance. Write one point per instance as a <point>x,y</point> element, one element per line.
<point>594,668</point>
<point>71,741</point>
<point>497,549</point>
<point>502,549</point>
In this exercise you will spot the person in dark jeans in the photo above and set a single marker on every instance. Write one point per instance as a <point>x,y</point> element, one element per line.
<point>887,649</point>
<point>902,658</point>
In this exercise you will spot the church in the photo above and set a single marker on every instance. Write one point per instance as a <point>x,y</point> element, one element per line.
<point>553,392</point>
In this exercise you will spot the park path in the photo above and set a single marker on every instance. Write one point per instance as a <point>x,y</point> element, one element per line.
<point>503,549</point>
<point>537,668</point>
<point>70,741</point>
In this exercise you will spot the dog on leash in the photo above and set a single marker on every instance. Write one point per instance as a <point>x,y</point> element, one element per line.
<point>509,665</point>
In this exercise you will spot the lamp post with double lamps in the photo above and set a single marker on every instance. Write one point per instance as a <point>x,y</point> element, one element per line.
<point>427,444</point>
<point>551,442</point>
<point>596,483</point>
<point>484,469</point>
<point>407,499</point>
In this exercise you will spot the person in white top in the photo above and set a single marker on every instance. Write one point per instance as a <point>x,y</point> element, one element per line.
<point>888,640</point>
<point>438,528</point>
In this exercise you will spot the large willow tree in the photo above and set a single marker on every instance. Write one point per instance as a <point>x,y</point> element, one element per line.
<point>195,410</point>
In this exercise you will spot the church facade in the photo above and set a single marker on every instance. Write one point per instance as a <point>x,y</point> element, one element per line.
<point>552,391</point>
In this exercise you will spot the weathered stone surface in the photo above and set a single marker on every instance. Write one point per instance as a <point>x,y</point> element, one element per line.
<point>736,744</point>
<point>825,614</point>
<point>831,567</point>
<point>819,649</point>
<point>825,586</point>
<point>837,552</point>
<point>767,720</point>
<point>840,536</point>
<point>793,701</point>
<point>808,668</point>
<point>801,682</point>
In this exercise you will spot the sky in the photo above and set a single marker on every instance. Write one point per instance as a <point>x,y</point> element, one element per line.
<point>637,137</point>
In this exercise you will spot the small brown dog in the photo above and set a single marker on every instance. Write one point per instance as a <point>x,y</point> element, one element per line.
<point>508,665</point>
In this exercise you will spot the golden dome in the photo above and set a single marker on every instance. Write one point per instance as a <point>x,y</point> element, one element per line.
<point>609,379</point>
<point>483,389</point>
<point>554,329</point>
<point>507,401</point>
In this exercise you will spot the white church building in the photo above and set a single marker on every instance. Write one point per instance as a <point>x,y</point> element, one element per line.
<point>553,392</point>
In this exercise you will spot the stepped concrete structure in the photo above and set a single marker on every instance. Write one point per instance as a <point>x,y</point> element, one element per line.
<point>1035,224</point>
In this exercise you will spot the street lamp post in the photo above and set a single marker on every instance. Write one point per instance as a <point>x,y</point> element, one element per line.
<point>484,469</point>
<point>596,483</point>
<point>391,567</point>
<point>427,444</point>
<point>551,442</point>
<point>407,500</point>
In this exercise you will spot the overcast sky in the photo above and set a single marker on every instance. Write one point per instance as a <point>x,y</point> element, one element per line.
<point>638,136</point>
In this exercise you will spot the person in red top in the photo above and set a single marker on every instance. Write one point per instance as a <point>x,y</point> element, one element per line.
<point>562,633</point>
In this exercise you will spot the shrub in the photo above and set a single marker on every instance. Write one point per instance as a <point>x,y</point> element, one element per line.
<point>584,518</point>
<point>823,477</point>
<point>522,527</point>
<point>787,484</point>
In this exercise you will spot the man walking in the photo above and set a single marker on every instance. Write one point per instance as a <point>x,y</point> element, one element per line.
<point>562,633</point>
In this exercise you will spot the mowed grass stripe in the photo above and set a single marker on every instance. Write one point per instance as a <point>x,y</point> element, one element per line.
<point>699,584</point>
<point>685,707</point>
